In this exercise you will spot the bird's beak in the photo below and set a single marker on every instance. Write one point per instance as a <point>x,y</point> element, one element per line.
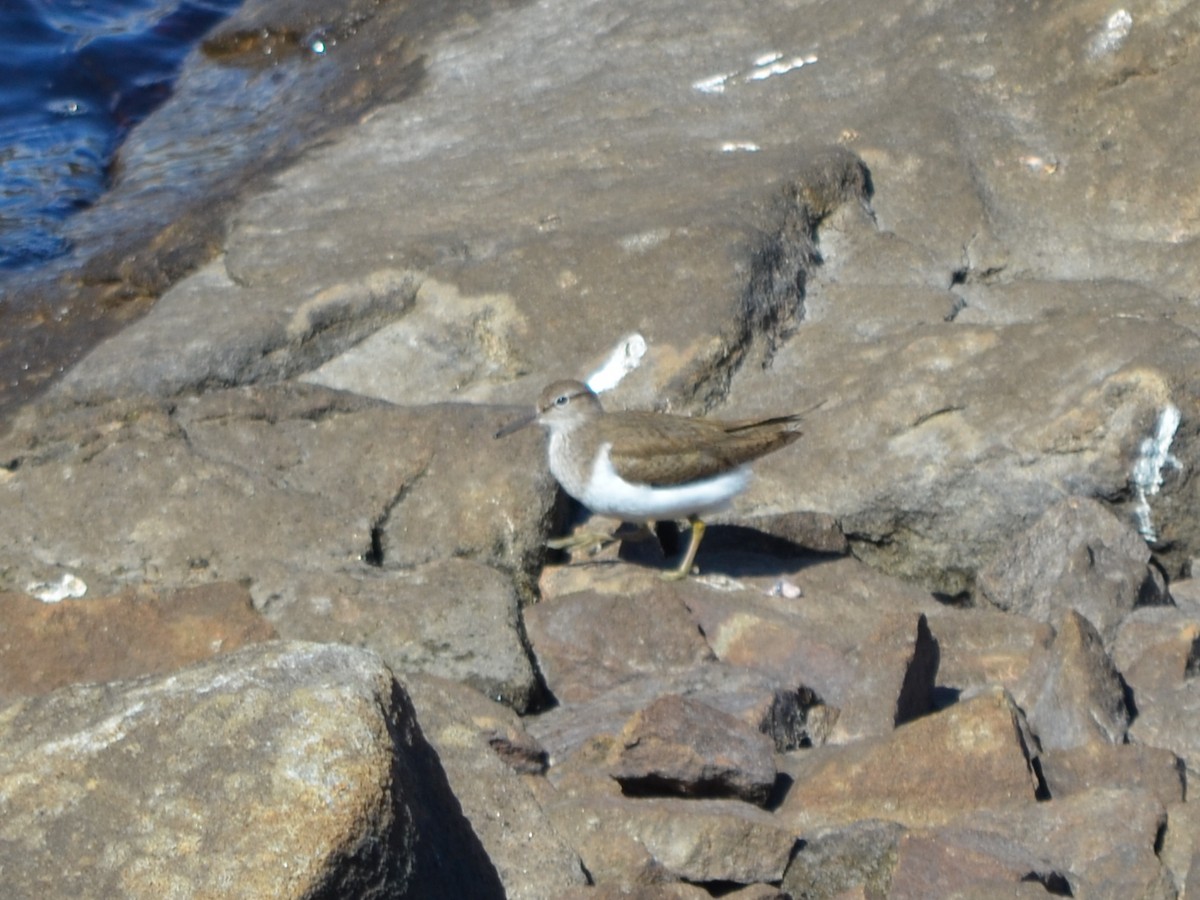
<point>523,422</point>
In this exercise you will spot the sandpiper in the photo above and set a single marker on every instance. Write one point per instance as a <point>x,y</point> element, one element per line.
<point>644,467</point>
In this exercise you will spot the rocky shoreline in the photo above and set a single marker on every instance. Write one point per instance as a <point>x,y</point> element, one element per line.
<point>279,619</point>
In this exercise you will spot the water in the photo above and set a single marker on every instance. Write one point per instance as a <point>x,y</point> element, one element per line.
<point>75,76</point>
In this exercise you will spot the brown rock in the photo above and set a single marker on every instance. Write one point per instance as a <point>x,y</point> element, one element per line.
<point>1181,845</point>
<point>1079,556</point>
<point>531,857</point>
<point>969,756</point>
<point>1075,694</point>
<point>1126,766</point>
<point>587,643</point>
<point>895,671</point>
<point>1103,840</point>
<point>677,745</point>
<point>1170,722</point>
<point>1157,649</point>
<point>300,768</point>
<point>141,631</point>
<point>982,647</point>
<point>950,862</point>
<point>784,714</point>
<point>693,840</point>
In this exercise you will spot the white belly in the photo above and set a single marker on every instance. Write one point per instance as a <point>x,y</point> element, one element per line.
<point>608,494</point>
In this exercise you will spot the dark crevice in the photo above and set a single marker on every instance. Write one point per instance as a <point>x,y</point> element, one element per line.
<point>1055,883</point>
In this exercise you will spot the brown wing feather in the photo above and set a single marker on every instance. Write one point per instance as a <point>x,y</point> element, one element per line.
<point>663,450</point>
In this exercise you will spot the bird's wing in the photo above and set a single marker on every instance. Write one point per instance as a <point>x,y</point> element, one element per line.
<point>665,450</point>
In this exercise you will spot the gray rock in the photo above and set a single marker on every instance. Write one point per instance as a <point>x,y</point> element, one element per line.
<point>1076,556</point>
<point>678,746</point>
<point>860,855</point>
<point>1076,697</point>
<point>1169,722</point>
<point>464,728</point>
<point>313,498</point>
<point>1157,649</point>
<point>299,768</point>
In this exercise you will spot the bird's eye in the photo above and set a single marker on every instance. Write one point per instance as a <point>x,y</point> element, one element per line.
<point>561,400</point>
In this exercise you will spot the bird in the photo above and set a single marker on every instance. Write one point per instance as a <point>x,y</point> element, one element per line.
<point>644,467</point>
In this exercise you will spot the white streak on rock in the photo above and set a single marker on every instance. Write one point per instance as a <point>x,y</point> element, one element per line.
<point>1116,29</point>
<point>1154,455</point>
<point>740,146</point>
<point>57,591</point>
<point>626,357</point>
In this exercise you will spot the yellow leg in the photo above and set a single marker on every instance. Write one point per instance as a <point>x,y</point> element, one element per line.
<point>685,568</point>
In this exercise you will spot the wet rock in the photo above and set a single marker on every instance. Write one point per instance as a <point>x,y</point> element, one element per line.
<point>971,756</point>
<point>680,746</point>
<point>1077,556</point>
<point>45,646</point>
<point>299,767</point>
<point>464,729</point>
<point>1076,696</point>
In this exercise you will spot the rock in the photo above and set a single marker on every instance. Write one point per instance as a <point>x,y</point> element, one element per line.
<point>140,631</point>
<point>452,618</point>
<point>1168,723</point>
<point>315,499</point>
<point>674,891</point>
<point>695,840</point>
<point>1077,556</point>
<point>299,767</point>
<point>1103,840</point>
<point>682,747</point>
<point>462,726</point>
<point>950,862</point>
<point>894,679</point>
<point>1157,649</point>
<point>981,647</point>
<point>859,855</point>
<point>1075,770</point>
<point>589,642</point>
<point>1076,697</point>
<point>971,756</point>
<point>813,640</point>
<point>1181,844</point>
<point>786,715</point>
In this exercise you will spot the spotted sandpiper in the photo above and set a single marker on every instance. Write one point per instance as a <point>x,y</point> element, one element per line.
<point>646,467</point>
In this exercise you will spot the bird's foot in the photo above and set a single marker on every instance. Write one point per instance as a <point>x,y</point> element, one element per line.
<point>590,541</point>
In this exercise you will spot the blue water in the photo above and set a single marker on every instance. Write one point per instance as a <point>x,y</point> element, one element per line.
<point>74,78</point>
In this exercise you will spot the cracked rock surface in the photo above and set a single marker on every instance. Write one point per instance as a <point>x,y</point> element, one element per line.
<point>945,645</point>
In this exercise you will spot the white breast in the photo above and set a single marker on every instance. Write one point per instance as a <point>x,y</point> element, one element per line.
<point>609,494</point>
